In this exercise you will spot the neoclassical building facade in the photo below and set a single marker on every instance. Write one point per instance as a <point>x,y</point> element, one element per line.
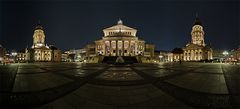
<point>197,50</point>
<point>120,40</point>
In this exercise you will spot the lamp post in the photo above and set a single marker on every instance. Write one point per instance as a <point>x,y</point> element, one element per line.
<point>225,53</point>
<point>160,58</point>
<point>13,56</point>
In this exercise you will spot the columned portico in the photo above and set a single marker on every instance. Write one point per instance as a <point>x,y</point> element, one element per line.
<point>120,40</point>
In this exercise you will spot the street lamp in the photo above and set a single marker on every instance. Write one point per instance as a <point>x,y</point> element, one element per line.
<point>14,54</point>
<point>225,53</point>
<point>160,57</point>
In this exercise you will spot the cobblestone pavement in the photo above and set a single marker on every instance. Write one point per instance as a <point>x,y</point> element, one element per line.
<point>142,86</point>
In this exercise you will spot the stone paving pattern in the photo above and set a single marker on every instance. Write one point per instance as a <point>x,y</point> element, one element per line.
<point>142,86</point>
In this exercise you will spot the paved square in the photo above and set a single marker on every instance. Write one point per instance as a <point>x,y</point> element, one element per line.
<point>84,86</point>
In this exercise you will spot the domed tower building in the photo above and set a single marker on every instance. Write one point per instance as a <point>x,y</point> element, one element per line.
<point>197,50</point>
<point>38,36</point>
<point>197,33</point>
<point>40,51</point>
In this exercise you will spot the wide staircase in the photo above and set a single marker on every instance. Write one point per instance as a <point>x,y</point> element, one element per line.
<point>109,59</point>
<point>112,59</point>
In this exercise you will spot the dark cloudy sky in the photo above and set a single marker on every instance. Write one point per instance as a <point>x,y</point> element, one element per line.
<point>71,23</point>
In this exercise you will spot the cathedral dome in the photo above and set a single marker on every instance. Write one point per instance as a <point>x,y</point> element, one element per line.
<point>39,26</point>
<point>197,22</point>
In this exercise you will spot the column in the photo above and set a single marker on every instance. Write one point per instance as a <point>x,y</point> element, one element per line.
<point>123,47</point>
<point>135,48</point>
<point>110,48</point>
<point>116,47</point>
<point>129,47</point>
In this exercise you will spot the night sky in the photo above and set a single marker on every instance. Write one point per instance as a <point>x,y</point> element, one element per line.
<point>72,24</point>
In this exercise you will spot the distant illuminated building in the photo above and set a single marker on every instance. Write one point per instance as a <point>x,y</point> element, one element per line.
<point>23,56</point>
<point>64,57</point>
<point>233,55</point>
<point>91,53</point>
<point>197,50</point>
<point>2,53</point>
<point>41,52</point>
<point>149,53</point>
<point>149,50</point>
<point>237,54</point>
<point>56,54</point>
<point>74,55</point>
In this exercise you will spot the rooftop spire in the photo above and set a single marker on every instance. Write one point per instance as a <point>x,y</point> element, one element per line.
<point>39,26</point>
<point>196,14</point>
<point>197,20</point>
<point>39,22</point>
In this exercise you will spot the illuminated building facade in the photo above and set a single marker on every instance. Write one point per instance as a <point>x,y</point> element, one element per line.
<point>75,55</point>
<point>56,54</point>
<point>236,54</point>
<point>23,56</point>
<point>120,40</point>
<point>41,52</point>
<point>91,53</point>
<point>197,50</point>
<point>2,53</point>
<point>233,55</point>
<point>177,54</point>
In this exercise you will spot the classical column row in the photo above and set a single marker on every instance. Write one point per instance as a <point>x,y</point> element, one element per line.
<point>117,52</point>
<point>192,55</point>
